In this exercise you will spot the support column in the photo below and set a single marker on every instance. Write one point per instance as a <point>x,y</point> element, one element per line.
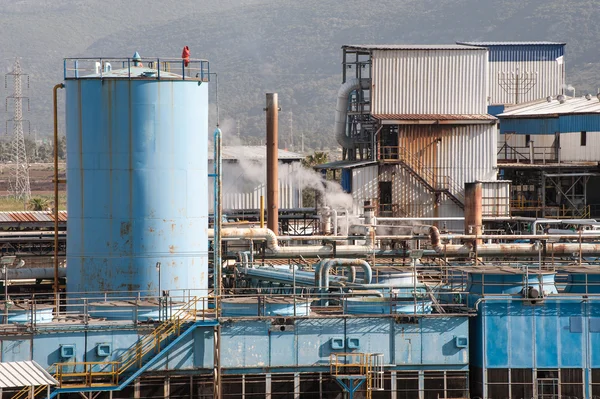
<point>296,386</point>
<point>136,389</point>
<point>268,386</point>
<point>422,385</point>
<point>167,387</point>
<point>393,385</point>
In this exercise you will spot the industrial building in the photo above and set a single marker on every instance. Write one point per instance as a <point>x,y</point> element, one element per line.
<point>244,172</point>
<point>160,304</point>
<point>412,121</point>
<point>520,72</point>
<point>549,149</point>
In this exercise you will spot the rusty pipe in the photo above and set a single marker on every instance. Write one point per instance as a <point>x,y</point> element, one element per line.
<point>503,249</point>
<point>272,162</point>
<point>273,247</point>
<point>55,104</point>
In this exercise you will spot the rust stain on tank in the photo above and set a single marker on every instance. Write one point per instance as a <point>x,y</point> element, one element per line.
<point>125,228</point>
<point>172,226</point>
<point>151,230</point>
<point>172,249</point>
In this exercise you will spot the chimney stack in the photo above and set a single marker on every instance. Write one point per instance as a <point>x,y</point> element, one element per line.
<point>272,162</point>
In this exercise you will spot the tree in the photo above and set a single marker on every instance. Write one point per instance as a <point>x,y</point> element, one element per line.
<point>38,204</point>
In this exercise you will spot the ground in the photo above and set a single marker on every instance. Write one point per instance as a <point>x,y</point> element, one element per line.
<point>40,180</point>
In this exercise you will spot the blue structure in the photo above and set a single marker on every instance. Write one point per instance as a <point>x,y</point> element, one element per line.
<point>531,345</point>
<point>137,139</point>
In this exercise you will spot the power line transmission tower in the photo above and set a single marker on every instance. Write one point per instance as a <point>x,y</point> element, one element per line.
<point>19,169</point>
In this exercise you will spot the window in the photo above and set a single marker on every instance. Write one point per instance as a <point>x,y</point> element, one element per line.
<point>527,140</point>
<point>583,138</point>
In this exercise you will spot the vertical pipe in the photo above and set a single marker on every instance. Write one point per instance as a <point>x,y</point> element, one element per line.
<point>218,214</point>
<point>272,158</point>
<point>262,211</point>
<point>55,102</point>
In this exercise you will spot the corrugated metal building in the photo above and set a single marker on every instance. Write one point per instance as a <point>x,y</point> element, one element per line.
<point>244,178</point>
<point>551,149</point>
<point>523,71</point>
<point>567,131</point>
<point>431,132</point>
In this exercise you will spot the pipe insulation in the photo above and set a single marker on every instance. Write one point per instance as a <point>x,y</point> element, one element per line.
<point>341,110</point>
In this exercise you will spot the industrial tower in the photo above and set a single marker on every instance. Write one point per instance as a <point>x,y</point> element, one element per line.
<point>19,169</point>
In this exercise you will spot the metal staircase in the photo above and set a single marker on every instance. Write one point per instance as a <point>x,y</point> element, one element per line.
<point>116,374</point>
<point>426,176</point>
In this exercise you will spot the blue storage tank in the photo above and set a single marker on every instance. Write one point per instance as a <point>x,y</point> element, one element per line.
<point>137,141</point>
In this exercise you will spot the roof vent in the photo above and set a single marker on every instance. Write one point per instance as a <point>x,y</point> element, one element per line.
<point>588,96</point>
<point>549,99</point>
<point>561,99</point>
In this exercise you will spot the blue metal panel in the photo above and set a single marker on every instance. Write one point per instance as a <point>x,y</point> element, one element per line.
<point>46,348</point>
<point>439,343</point>
<point>531,52</point>
<point>572,346</point>
<point>282,346</point>
<point>495,109</point>
<point>521,344</point>
<point>408,344</point>
<point>497,335</point>
<point>347,180</point>
<point>373,335</point>
<point>245,344</point>
<point>203,347</point>
<point>137,174</point>
<point>529,125</point>
<point>578,123</point>
<point>15,350</point>
<point>313,345</point>
<point>546,336</point>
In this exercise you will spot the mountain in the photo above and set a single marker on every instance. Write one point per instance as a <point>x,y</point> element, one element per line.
<point>290,47</point>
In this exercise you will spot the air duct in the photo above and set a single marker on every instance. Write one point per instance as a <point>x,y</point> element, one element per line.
<point>341,110</point>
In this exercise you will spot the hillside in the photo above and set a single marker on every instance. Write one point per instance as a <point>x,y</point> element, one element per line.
<point>292,48</point>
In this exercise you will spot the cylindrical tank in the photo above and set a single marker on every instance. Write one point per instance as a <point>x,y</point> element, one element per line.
<point>137,181</point>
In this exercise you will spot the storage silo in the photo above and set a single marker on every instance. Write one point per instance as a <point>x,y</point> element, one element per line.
<point>137,137</point>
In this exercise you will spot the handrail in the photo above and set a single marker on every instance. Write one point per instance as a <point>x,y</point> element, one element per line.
<point>132,356</point>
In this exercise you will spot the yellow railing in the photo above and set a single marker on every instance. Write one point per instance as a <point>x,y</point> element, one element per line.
<point>369,365</point>
<point>88,374</point>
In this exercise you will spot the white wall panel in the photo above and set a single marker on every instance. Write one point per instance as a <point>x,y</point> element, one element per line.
<point>429,81</point>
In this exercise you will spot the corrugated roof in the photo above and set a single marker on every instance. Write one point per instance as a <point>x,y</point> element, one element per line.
<point>409,47</point>
<point>24,374</point>
<point>442,117</point>
<point>254,152</point>
<point>489,44</point>
<point>345,164</point>
<point>543,108</point>
<point>31,216</point>
<point>392,119</point>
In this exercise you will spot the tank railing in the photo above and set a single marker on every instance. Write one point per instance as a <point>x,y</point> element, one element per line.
<point>126,309</point>
<point>137,68</point>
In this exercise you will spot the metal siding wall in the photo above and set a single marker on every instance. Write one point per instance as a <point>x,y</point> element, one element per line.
<point>496,198</point>
<point>577,123</point>
<point>429,82</point>
<point>241,192</point>
<point>468,153</point>
<point>534,58</point>
<point>365,186</point>
<point>571,149</point>
<point>529,126</point>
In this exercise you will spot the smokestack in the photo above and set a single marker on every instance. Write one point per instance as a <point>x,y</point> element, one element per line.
<point>272,160</point>
<point>473,209</point>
